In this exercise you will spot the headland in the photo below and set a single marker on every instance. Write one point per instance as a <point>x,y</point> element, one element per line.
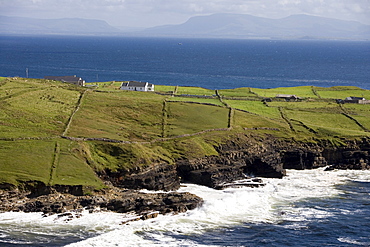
<point>66,147</point>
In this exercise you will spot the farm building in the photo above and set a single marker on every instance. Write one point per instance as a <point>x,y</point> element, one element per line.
<point>68,79</point>
<point>288,97</point>
<point>356,100</point>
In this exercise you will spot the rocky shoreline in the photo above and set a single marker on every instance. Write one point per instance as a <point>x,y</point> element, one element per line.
<point>143,205</point>
<point>245,154</point>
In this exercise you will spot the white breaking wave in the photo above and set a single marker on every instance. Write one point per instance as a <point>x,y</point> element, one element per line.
<point>273,203</point>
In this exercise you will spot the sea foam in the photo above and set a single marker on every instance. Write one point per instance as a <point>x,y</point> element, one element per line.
<point>280,200</point>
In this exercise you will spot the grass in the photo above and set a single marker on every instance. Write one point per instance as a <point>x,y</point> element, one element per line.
<point>359,112</point>
<point>41,112</point>
<point>25,161</point>
<point>214,101</point>
<point>326,123</point>
<point>124,115</point>
<point>329,107</point>
<point>186,118</point>
<point>32,160</point>
<point>34,114</point>
<point>237,92</point>
<point>303,92</point>
<point>164,89</point>
<point>195,91</point>
<point>342,92</point>
<point>250,121</point>
<point>71,168</point>
<point>256,107</point>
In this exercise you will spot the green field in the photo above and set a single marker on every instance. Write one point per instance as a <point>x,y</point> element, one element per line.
<point>342,92</point>
<point>237,93</point>
<point>303,92</point>
<point>26,160</point>
<point>187,118</point>
<point>195,91</point>
<point>31,160</point>
<point>359,112</point>
<point>326,123</point>
<point>323,107</point>
<point>122,115</point>
<point>256,107</point>
<point>214,101</point>
<point>41,110</point>
<point>164,89</point>
<point>43,125</point>
<point>252,121</point>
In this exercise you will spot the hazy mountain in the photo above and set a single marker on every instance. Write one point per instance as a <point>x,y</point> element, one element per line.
<point>75,26</point>
<point>212,26</point>
<point>247,26</point>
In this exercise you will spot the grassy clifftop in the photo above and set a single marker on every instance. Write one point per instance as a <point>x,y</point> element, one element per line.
<point>61,134</point>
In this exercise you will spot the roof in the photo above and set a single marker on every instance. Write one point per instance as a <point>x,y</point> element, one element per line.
<point>136,84</point>
<point>64,78</point>
<point>286,96</point>
<point>355,98</point>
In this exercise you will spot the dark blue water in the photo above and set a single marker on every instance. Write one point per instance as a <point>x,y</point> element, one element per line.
<point>209,63</point>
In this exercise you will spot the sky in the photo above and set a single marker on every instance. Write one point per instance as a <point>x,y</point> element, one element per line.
<point>149,13</point>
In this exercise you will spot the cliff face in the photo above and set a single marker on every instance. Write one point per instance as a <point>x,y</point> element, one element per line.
<point>156,177</point>
<point>251,156</point>
<point>354,155</point>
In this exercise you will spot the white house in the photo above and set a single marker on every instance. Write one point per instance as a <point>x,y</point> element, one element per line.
<point>137,86</point>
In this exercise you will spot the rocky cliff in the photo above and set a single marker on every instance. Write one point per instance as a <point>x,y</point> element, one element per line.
<point>242,156</point>
<point>247,155</point>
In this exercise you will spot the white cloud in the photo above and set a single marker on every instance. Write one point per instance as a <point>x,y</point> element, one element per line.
<point>157,12</point>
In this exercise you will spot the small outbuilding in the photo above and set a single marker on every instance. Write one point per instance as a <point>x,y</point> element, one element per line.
<point>287,97</point>
<point>137,86</point>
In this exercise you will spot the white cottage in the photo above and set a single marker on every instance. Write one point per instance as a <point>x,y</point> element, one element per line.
<point>137,86</point>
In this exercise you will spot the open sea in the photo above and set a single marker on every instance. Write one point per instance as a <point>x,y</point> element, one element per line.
<point>305,208</point>
<point>208,63</point>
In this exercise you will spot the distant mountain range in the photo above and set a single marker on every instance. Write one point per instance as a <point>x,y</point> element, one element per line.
<point>211,26</point>
<point>73,26</point>
<point>247,26</point>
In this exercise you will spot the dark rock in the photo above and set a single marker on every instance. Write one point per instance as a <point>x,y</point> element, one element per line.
<point>162,202</point>
<point>303,159</point>
<point>236,158</point>
<point>354,155</point>
<point>120,201</point>
<point>156,177</point>
<point>251,182</point>
<point>150,215</point>
<point>209,171</point>
<point>267,165</point>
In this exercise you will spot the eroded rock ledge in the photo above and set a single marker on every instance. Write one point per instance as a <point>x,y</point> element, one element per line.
<point>116,200</point>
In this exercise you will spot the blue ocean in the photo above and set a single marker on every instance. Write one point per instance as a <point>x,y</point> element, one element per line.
<point>305,208</point>
<point>208,63</point>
